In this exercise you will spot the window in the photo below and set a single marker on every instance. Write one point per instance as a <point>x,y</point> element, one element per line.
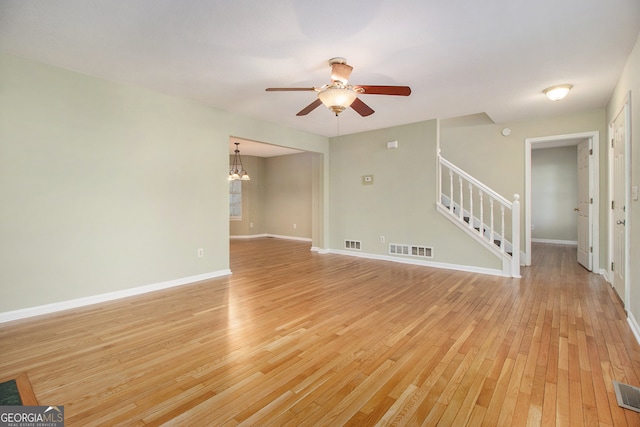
<point>235,199</point>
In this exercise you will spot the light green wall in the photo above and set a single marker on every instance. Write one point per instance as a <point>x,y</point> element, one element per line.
<point>400,204</point>
<point>498,161</point>
<point>554,193</point>
<point>288,195</point>
<point>107,187</point>
<point>629,83</point>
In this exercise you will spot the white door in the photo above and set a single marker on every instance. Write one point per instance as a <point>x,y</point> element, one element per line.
<point>585,235</point>
<point>618,207</point>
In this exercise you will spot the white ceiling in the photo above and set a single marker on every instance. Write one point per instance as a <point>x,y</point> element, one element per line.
<point>488,59</point>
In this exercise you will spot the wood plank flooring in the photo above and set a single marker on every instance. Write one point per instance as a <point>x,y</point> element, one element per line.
<point>298,338</point>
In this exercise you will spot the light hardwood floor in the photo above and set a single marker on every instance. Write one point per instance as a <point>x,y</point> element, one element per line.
<point>298,338</point>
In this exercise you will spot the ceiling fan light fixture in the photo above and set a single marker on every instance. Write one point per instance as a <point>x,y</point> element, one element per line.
<point>338,95</point>
<point>337,98</point>
<point>558,92</point>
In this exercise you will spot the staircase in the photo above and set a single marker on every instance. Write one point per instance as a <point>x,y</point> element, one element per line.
<point>482,213</point>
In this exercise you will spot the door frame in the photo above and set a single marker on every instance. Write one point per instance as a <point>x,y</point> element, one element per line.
<point>626,110</point>
<point>594,179</point>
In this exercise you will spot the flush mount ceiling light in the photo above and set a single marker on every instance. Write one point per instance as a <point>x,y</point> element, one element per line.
<point>556,93</point>
<point>237,170</point>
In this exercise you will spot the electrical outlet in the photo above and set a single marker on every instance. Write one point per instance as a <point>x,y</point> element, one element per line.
<point>200,252</point>
<point>295,226</point>
<point>250,225</point>
<point>381,239</point>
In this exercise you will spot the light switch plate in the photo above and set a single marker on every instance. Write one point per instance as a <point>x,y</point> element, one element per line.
<point>634,192</point>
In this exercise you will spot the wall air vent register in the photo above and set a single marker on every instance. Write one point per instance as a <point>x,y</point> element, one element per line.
<point>410,250</point>
<point>353,244</point>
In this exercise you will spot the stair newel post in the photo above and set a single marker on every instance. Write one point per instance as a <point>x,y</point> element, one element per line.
<point>481,225</point>
<point>502,245</point>
<point>470,205</point>
<point>461,213</point>
<point>491,212</point>
<point>515,236</point>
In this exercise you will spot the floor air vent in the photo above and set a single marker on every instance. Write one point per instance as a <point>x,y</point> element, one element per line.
<point>628,396</point>
<point>410,250</point>
<point>353,244</point>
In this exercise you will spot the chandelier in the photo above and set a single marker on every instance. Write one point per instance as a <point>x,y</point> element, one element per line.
<point>237,171</point>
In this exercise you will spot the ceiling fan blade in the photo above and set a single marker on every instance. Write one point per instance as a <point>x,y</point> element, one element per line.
<point>384,90</point>
<point>289,89</point>
<point>361,108</point>
<point>341,72</point>
<point>309,108</point>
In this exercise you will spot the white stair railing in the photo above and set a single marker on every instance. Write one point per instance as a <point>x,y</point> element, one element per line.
<point>469,203</point>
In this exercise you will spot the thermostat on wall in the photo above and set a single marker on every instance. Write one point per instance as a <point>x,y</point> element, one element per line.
<point>506,132</point>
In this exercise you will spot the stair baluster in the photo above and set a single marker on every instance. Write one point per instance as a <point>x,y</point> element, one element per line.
<point>502,230</point>
<point>470,206</point>
<point>481,224</point>
<point>451,199</point>
<point>461,204</point>
<point>492,232</point>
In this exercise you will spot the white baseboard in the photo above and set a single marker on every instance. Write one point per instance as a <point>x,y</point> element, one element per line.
<point>276,236</point>
<point>248,236</point>
<point>279,236</point>
<point>635,328</point>
<point>9,316</point>
<point>446,266</point>
<point>556,242</point>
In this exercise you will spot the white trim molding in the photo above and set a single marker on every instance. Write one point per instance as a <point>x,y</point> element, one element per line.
<point>55,307</point>
<point>556,242</point>
<point>319,250</point>
<point>275,236</point>
<point>248,236</point>
<point>635,328</point>
<point>443,265</point>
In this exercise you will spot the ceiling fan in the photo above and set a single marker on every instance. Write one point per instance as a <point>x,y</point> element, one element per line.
<point>339,95</point>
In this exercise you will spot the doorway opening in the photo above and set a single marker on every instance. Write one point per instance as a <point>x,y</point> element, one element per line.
<point>590,225</point>
<point>285,196</point>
